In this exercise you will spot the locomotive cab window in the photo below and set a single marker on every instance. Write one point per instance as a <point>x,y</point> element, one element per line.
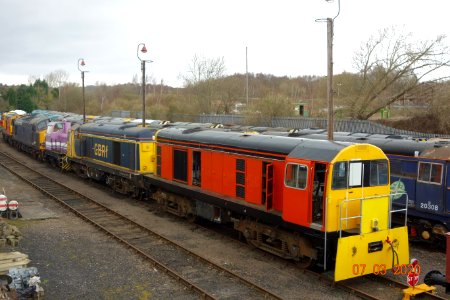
<point>355,174</point>
<point>42,125</point>
<point>378,172</point>
<point>339,175</point>
<point>430,172</point>
<point>360,173</point>
<point>58,126</point>
<point>296,176</point>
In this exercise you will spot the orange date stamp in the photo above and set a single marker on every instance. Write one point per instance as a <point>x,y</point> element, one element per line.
<point>381,269</point>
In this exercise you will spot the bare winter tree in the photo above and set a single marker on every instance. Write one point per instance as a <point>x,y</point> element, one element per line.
<point>202,69</point>
<point>56,78</point>
<point>135,80</point>
<point>440,107</point>
<point>392,64</point>
<point>202,80</point>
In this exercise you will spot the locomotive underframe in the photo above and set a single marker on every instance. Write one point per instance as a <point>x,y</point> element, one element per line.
<point>57,160</point>
<point>426,230</point>
<point>422,228</point>
<point>274,235</point>
<point>122,182</point>
<point>36,153</point>
<point>6,137</point>
<point>175,204</point>
<point>276,241</point>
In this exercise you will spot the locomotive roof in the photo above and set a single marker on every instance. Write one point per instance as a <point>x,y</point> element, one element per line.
<point>389,144</point>
<point>318,150</point>
<point>437,153</point>
<point>74,119</point>
<point>31,119</point>
<point>16,112</point>
<point>130,130</point>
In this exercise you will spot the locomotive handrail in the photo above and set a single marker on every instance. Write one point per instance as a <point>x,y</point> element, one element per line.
<point>398,210</point>
<point>389,196</point>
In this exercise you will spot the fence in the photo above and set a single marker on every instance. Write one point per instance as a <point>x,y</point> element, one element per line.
<point>126,114</point>
<point>302,123</point>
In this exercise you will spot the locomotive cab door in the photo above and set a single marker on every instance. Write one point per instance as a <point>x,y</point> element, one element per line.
<point>297,192</point>
<point>318,193</point>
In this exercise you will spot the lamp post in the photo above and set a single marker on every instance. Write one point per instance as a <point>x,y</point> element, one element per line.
<point>330,115</point>
<point>143,61</point>
<point>82,64</point>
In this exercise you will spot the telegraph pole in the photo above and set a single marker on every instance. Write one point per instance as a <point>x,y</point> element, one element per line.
<point>330,119</point>
<point>330,28</point>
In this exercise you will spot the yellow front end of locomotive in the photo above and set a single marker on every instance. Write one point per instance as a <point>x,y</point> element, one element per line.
<point>344,209</point>
<point>372,253</point>
<point>358,209</point>
<point>41,139</point>
<point>147,157</point>
<point>2,121</point>
<point>71,153</point>
<point>9,123</point>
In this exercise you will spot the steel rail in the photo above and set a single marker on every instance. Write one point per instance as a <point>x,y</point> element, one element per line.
<point>405,286</point>
<point>345,285</point>
<point>203,293</point>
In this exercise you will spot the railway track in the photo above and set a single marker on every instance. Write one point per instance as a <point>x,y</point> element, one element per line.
<point>210,280</point>
<point>372,287</point>
<point>380,287</point>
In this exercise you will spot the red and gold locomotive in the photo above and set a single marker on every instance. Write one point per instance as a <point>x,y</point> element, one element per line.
<point>297,198</point>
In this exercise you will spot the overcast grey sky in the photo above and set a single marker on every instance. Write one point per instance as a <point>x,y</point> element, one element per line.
<point>41,36</point>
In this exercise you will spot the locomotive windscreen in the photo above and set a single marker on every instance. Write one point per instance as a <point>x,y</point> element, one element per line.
<point>349,174</point>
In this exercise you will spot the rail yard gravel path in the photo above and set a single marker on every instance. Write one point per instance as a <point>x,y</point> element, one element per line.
<point>76,261</point>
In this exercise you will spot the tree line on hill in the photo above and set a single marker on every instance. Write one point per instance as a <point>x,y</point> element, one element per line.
<point>393,71</point>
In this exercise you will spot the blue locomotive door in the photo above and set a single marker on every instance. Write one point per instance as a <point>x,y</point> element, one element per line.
<point>429,187</point>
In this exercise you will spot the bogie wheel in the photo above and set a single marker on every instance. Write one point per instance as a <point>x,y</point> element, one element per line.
<point>251,243</point>
<point>191,218</point>
<point>305,262</point>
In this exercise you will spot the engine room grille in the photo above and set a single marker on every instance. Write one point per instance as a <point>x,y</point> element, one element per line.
<point>240,165</point>
<point>158,161</point>
<point>240,191</point>
<point>240,178</point>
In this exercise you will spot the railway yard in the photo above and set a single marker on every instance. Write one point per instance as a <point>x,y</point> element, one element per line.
<point>204,181</point>
<point>120,259</point>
